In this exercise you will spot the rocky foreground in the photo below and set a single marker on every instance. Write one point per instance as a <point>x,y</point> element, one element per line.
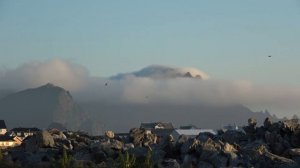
<point>271,145</point>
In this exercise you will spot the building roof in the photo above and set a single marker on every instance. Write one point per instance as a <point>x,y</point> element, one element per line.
<point>188,127</point>
<point>2,124</point>
<point>20,129</point>
<point>191,132</point>
<point>157,125</point>
<point>6,138</point>
<point>162,132</point>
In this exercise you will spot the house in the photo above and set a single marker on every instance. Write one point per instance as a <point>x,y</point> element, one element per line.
<point>160,129</point>
<point>9,141</point>
<point>191,133</point>
<point>156,125</point>
<point>188,127</point>
<point>23,132</point>
<point>3,128</point>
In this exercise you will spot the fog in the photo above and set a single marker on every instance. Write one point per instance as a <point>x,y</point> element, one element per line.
<point>148,89</point>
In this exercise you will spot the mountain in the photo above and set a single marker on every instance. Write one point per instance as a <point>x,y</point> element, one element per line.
<point>5,92</point>
<point>40,107</point>
<point>53,105</point>
<point>164,72</point>
<point>122,117</point>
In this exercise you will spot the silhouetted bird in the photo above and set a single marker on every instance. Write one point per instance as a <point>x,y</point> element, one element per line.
<point>269,56</point>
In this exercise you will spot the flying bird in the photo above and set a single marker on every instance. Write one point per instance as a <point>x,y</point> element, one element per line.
<point>270,56</point>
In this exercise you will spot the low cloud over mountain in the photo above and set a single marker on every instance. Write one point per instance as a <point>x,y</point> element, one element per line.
<point>153,85</point>
<point>164,72</point>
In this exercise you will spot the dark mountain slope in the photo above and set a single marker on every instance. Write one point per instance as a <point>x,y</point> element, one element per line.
<point>39,107</point>
<point>121,117</point>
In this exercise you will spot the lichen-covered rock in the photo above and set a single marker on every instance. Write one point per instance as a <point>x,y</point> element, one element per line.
<point>141,137</point>
<point>110,134</point>
<point>291,125</point>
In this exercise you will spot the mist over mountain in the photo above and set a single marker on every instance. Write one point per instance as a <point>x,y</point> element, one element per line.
<point>52,104</point>
<point>156,92</point>
<point>40,107</point>
<point>164,72</point>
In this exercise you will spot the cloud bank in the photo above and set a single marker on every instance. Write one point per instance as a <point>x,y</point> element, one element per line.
<point>153,86</point>
<point>33,74</point>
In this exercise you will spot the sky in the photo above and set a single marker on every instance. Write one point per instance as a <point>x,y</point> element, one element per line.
<point>227,39</point>
<point>78,44</point>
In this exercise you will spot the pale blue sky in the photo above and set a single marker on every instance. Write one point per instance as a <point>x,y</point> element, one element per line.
<point>227,39</point>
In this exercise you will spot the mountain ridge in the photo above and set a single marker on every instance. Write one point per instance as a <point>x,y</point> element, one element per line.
<point>40,107</point>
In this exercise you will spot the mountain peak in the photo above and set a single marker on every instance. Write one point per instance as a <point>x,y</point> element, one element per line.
<point>47,104</point>
<point>164,72</point>
<point>49,86</point>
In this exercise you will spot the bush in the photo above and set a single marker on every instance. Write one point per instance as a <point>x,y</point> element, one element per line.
<point>127,160</point>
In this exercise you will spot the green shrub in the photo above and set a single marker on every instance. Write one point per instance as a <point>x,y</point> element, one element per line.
<point>127,160</point>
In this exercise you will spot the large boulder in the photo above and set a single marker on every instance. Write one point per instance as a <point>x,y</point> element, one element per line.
<point>110,134</point>
<point>45,139</point>
<point>290,125</point>
<point>293,152</point>
<point>42,139</point>
<point>268,123</point>
<point>234,136</point>
<point>211,151</point>
<point>141,137</point>
<point>189,146</point>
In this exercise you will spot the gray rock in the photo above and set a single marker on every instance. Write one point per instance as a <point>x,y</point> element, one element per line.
<point>233,136</point>
<point>189,161</point>
<point>128,146</point>
<point>291,125</point>
<point>204,136</point>
<point>268,123</point>
<point>141,137</point>
<point>293,152</point>
<point>117,145</point>
<point>40,140</point>
<point>211,151</point>
<point>252,122</point>
<point>203,164</point>
<point>278,161</point>
<point>169,163</point>
<point>138,151</point>
<point>190,146</point>
<point>83,154</point>
<point>99,157</point>
<point>45,139</point>
<point>110,134</point>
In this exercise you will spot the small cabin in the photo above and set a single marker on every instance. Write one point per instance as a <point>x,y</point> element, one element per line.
<point>160,129</point>
<point>23,132</point>
<point>9,141</point>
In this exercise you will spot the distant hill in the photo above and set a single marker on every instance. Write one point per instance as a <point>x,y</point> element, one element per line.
<point>50,104</point>
<point>121,117</point>
<point>40,107</point>
<point>4,93</point>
